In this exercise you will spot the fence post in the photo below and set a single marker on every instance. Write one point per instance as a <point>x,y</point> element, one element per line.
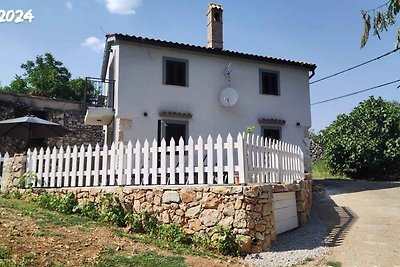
<point>13,169</point>
<point>242,159</point>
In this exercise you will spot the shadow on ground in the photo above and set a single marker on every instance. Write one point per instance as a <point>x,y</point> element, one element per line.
<point>337,219</point>
<point>339,186</point>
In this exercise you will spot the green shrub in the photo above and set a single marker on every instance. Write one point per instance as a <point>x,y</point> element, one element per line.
<point>142,222</point>
<point>15,194</point>
<point>135,221</point>
<point>89,210</point>
<point>227,244</point>
<point>111,210</point>
<point>365,144</point>
<point>57,202</point>
<point>27,180</point>
<point>174,232</point>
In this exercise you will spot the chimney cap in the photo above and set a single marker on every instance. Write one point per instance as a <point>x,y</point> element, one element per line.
<point>216,6</point>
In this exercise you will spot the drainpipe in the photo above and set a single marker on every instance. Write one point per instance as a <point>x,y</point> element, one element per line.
<point>312,74</point>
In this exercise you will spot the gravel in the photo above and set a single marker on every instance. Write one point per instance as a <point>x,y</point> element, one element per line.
<point>294,247</point>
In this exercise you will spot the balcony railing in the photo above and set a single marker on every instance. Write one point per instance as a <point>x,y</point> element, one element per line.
<point>99,92</point>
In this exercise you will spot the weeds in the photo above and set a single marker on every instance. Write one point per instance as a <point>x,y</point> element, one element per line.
<point>4,254</point>
<point>227,243</point>
<point>334,264</point>
<point>110,210</point>
<point>149,258</point>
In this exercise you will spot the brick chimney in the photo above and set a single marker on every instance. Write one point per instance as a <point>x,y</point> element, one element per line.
<point>214,26</point>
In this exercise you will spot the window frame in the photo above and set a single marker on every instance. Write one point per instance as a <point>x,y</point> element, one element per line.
<point>164,70</point>
<point>268,127</point>
<point>162,129</point>
<point>260,78</point>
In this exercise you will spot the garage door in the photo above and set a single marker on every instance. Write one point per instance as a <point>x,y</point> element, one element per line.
<point>285,211</point>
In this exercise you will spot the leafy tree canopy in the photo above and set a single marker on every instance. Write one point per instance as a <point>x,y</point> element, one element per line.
<point>365,144</point>
<point>47,76</point>
<point>381,19</point>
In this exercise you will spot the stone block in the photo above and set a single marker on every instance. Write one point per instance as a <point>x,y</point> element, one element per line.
<point>171,197</point>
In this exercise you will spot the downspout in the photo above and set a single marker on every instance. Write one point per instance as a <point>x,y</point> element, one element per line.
<point>312,74</point>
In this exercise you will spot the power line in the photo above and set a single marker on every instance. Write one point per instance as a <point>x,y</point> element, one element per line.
<point>378,7</point>
<point>354,93</point>
<point>354,67</point>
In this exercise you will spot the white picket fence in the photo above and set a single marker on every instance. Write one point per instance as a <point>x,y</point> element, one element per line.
<point>3,158</point>
<point>247,159</point>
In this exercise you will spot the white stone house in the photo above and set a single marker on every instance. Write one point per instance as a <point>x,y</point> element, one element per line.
<point>162,89</point>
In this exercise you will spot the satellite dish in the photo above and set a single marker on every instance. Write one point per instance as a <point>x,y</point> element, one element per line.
<point>228,97</point>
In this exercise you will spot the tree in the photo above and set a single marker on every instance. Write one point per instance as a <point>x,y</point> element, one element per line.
<point>47,76</point>
<point>383,17</point>
<point>366,143</point>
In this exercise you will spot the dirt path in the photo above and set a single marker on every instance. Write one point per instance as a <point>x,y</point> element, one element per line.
<point>48,244</point>
<point>365,217</point>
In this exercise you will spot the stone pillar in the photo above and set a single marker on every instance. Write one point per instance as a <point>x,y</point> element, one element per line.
<point>304,200</point>
<point>13,169</point>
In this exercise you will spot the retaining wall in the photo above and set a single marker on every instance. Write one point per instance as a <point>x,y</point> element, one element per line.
<point>246,209</point>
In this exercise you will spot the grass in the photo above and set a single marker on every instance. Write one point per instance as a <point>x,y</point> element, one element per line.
<point>334,264</point>
<point>145,259</point>
<point>4,254</point>
<point>6,261</point>
<point>176,248</point>
<point>320,171</point>
<point>43,216</point>
<point>46,218</point>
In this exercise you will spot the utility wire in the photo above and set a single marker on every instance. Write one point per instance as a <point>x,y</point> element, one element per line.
<point>354,93</point>
<point>357,66</point>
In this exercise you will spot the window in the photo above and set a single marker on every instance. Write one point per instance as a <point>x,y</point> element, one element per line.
<point>271,132</point>
<point>269,82</point>
<point>175,71</point>
<point>172,129</point>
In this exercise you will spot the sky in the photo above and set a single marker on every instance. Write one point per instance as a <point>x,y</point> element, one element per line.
<point>326,33</point>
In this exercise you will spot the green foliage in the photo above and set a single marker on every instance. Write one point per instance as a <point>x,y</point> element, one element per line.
<point>89,210</point>
<point>250,129</point>
<point>146,259</point>
<point>366,143</point>
<point>4,254</point>
<point>321,170</point>
<point>15,194</point>
<point>227,243</point>
<point>58,203</point>
<point>47,76</point>
<point>382,18</point>
<point>111,210</point>
<point>174,233</point>
<point>142,222</point>
<point>27,180</point>
<point>334,264</point>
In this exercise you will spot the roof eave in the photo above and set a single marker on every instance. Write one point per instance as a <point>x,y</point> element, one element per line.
<point>148,41</point>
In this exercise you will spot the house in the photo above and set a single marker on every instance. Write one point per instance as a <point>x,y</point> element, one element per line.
<point>160,89</point>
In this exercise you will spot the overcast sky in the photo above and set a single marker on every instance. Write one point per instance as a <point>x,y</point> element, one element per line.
<point>326,33</point>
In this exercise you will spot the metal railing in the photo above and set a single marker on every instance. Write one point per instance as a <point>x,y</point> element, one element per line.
<point>99,92</point>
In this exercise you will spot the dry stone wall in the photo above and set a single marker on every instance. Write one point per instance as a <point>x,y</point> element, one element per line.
<point>246,209</point>
<point>69,114</point>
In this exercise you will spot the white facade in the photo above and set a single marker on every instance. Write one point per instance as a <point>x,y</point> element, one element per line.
<point>140,94</point>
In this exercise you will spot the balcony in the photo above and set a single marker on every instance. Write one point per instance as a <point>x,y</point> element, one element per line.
<point>99,100</point>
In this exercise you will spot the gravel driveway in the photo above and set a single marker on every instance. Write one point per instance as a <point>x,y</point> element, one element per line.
<point>364,218</point>
<point>370,235</point>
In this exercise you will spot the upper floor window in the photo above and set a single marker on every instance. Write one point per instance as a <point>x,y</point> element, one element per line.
<point>269,82</point>
<point>175,71</point>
